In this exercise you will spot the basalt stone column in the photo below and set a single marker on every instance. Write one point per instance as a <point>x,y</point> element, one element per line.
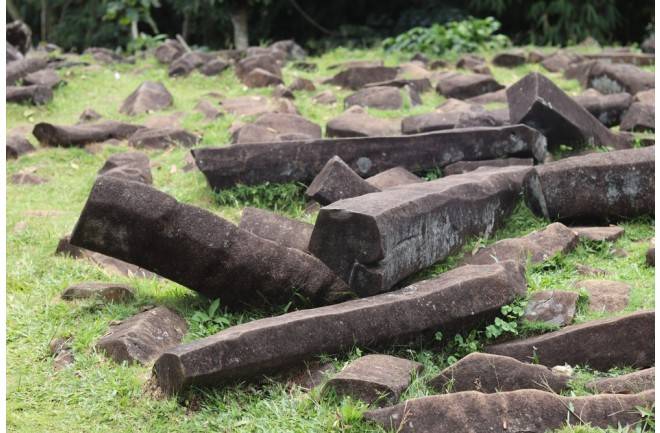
<point>455,300</point>
<point>597,186</point>
<point>538,102</point>
<point>376,240</point>
<point>136,223</point>
<point>301,161</point>
<point>49,134</point>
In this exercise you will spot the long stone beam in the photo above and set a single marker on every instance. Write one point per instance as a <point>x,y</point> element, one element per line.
<point>455,300</point>
<point>300,161</point>
<point>136,223</point>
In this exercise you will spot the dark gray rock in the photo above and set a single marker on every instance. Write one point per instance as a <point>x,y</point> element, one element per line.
<point>325,97</point>
<point>637,59</point>
<point>337,181</point>
<point>355,122</point>
<point>553,307</point>
<point>375,241</point>
<point>88,115</point>
<point>650,256</point>
<point>461,167</point>
<point>169,51</point>
<point>606,296</point>
<point>464,86</point>
<point>401,317</point>
<point>149,96</point>
<point>615,78</point>
<point>277,127</point>
<point>355,77</point>
<point>264,62</point>
<point>602,344</point>
<point>188,62</point>
<point>17,70</point>
<point>261,78</point>
<point>44,77</point>
<point>498,96</point>
<point>17,146</point>
<point>62,353</point>
<point>106,291</point>
<point>208,109</point>
<point>214,67</point>
<point>510,59</point>
<point>374,379</point>
<point>381,97</point>
<point>302,84</point>
<point>621,185</point>
<point>80,135</point>
<point>393,177</point>
<point>162,138</point>
<point>35,95</point>
<point>141,225</point>
<point>143,337</point>
<point>560,61</point>
<point>128,165</point>
<point>608,109</point>
<point>277,228</point>
<point>639,118</point>
<point>631,383</point>
<point>19,35</point>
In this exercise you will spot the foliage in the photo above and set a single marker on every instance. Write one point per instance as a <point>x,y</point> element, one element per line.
<point>126,12</point>
<point>458,36</point>
<point>203,323</point>
<point>283,197</point>
<point>508,323</point>
<point>647,423</point>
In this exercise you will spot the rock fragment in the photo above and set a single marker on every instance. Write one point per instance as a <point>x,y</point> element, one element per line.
<point>464,86</point>
<point>553,307</point>
<point>461,167</point>
<point>162,138</point>
<point>380,97</point>
<point>149,96</point>
<point>599,234</point>
<point>355,122</point>
<point>17,145</point>
<point>111,292</point>
<point>393,177</point>
<point>631,383</point>
<point>277,228</point>
<point>128,165</point>
<point>35,94</point>
<point>337,181</point>
<point>606,296</point>
<point>355,77</point>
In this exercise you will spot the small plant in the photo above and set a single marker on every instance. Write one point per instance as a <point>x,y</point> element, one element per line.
<point>283,197</point>
<point>210,321</point>
<point>647,423</point>
<point>508,323</point>
<point>457,36</point>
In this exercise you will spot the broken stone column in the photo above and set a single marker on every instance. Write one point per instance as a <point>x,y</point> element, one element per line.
<point>277,228</point>
<point>375,241</point>
<point>416,312</point>
<point>599,234</point>
<point>464,86</point>
<point>355,77</point>
<point>536,101</point>
<point>18,69</point>
<point>598,186</point>
<point>552,307</point>
<point>336,182</point>
<point>143,337</point>
<point>141,225</point>
<point>374,379</point>
<point>128,165</point>
<point>17,145</point>
<point>300,161</point>
<point>36,95</point>
<point>521,411</point>
<point>393,177</point>
<point>461,167</point>
<point>149,96</point>
<point>80,135</point>
<point>608,109</point>
<point>601,344</point>
<point>494,373</point>
<point>630,383</point>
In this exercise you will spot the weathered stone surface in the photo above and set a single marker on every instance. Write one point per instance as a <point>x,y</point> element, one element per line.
<point>325,97</point>
<point>188,62</point>
<point>141,225</point>
<point>375,241</point>
<point>36,95</point>
<point>12,54</point>
<point>214,67</point>
<point>524,411</point>
<point>27,179</point>
<point>128,165</point>
<point>601,344</point>
<point>441,119</point>
<point>282,92</point>
<point>464,86</point>
<point>606,296</point>
<point>44,77</point>
<point>615,78</point>
<point>302,160</point>
<point>645,97</point>
<point>494,373</point>
<point>648,45</point>
<point>62,353</point>
<point>374,379</point>
<point>470,61</point>
<point>277,228</point>
<point>538,102</point>
<point>355,77</point>
<point>261,78</point>
<point>393,177</point>
<point>290,48</point>
<point>461,167</point>
<point>631,383</point>
<point>265,62</point>
<point>509,59</point>
<point>337,181</point>
<point>143,337</point>
<point>106,291</point>
<point>208,109</point>
<point>302,84</point>
<point>88,115</point>
<point>621,185</point>
<point>17,146</point>
<point>599,234</point>
<point>355,122</point>
<point>105,55</point>
<point>149,96</point>
<point>489,98</point>
<point>357,64</point>
<point>381,97</point>
<point>608,109</point>
<point>560,61</point>
<point>18,69</point>
<point>169,51</point>
<point>162,138</point>
<point>637,59</point>
<point>650,256</point>
<point>400,317</point>
<point>277,127</point>
<point>535,56</point>
<point>639,118</point>
<point>553,307</point>
<point>161,121</point>
<point>19,35</point>
<point>538,246</point>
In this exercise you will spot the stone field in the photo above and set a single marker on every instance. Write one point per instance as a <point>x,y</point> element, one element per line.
<point>265,240</point>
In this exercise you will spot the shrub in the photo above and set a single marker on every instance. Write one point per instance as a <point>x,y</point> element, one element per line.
<point>457,36</point>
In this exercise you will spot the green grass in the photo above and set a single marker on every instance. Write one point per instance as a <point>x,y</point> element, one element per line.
<point>96,395</point>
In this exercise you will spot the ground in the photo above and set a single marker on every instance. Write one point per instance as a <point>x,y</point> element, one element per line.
<point>96,395</point>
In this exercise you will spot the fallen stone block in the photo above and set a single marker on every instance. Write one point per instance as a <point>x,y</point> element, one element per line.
<point>261,78</point>
<point>355,122</point>
<point>608,109</point>
<point>169,51</point>
<point>128,165</point>
<point>88,115</point>
<point>560,61</point>
<point>213,67</point>
<point>650,256</point>
<point>420,85</point>
<point>393,177</point>
<point>461,167</point>
<point>536,101</point>
<point>49,134</point>
<point>106,291</point>
<point>36,95</point>
<point>355,77</point>
<point>374,379</point>
<point>498,96</point>
<point>639,118</point>
<point>606,296</point>
<point>44,77</point>
<point>631,383</point>
<point>277,228</point>
<point>521,411</point>
<point>162,138</point>
<point>302,160</point>
<point>494,373</point>
<point>621,185</point>
<point>376,240</point>
<point>302,84</point>
<point>208,109</point>
<point>149,96</point>
<point>418,311</point>
<point>638,59</point>
<point>599,234</point>
<point>380,97</point>
<point>17,146</point>
<point>600,344</point>
<point>277,127</point>
<point>19,35</point>
<point>464,86</point>
<point>143,337</point>
<point>616,78</point>
<point>18,69</point>
<point>337,181</point>
<point>266,62</point>
<point>588,270</point>
<point>141,225</point>
<point>509,59</point>
<point>188,62</point>
<point>645,97</point>
<point>553,307</point>
<point>537,246</point>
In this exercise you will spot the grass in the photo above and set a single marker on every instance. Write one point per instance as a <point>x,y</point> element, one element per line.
<point>96,395</point>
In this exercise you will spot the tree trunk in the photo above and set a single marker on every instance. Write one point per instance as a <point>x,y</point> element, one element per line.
<point>134,30</point>
<point>239,20</point>
<point>185,29</point>
<point>44,20</point>
<point>13,11</point>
